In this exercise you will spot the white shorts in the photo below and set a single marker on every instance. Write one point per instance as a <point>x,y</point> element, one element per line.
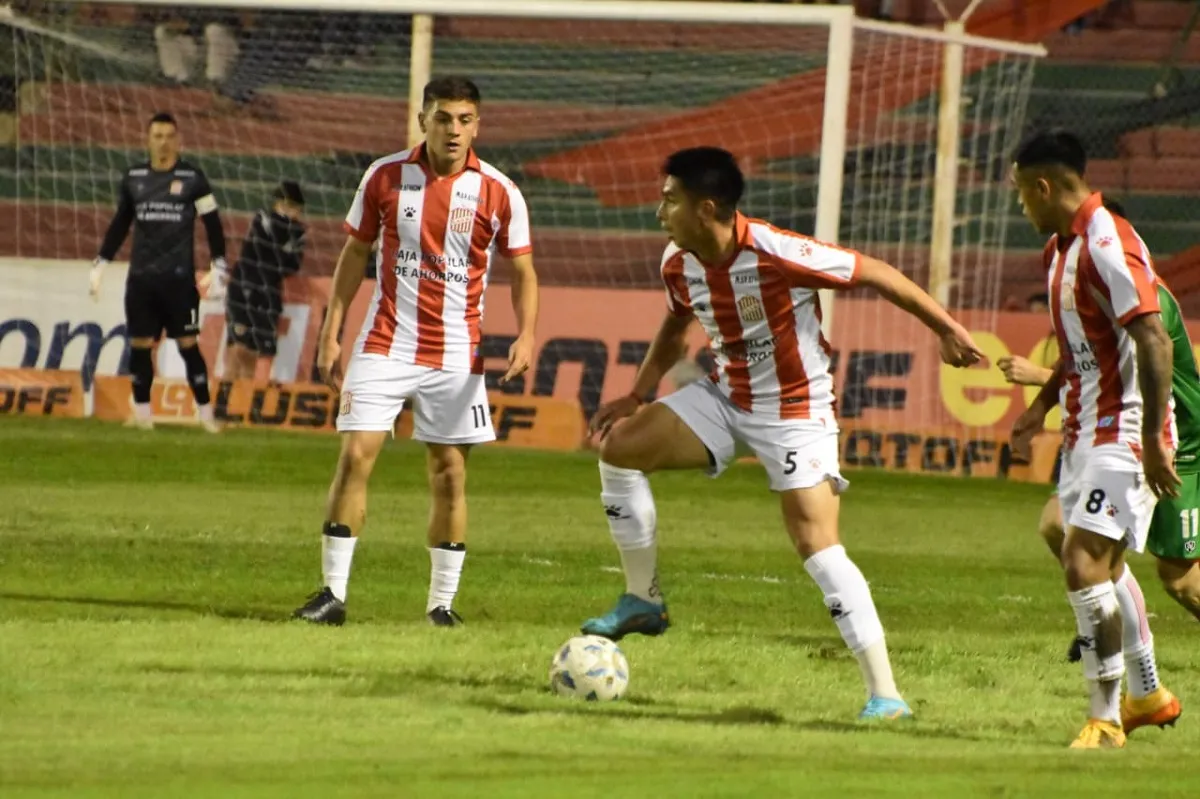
<point>1103,489</point>
<point>797,453</point>
<point>448,407</point>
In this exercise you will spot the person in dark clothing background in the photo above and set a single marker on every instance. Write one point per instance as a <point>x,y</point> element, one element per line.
<point>273,249</point>
<point>161,199</point>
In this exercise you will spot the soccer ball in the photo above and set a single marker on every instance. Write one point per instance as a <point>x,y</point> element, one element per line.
<point>589,667</point>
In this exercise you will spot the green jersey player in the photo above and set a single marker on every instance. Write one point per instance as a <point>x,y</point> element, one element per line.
<point>1173,537</point>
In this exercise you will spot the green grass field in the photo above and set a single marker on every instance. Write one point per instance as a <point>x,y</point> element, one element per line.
<point>145,579</point>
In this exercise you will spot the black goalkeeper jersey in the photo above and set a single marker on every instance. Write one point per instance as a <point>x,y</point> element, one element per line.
<point>162,207</point>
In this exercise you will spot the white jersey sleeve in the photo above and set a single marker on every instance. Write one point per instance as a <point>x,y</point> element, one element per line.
<point>1123,267</point>
<point>804,261</point>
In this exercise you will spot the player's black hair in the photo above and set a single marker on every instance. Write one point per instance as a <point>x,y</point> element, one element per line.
<point>451,87</point>
<point>1041,297</point>
<point>708,173</point>
<point>290,190</point>
<point>164,118</point>
<point>1116,208</point>
<point>1053,148</point>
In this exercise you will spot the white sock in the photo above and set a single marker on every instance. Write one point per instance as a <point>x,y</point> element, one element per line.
<point>142,411</point>
<point>849,601</point>
<point>205,412</point>
<point>629,506</point>
<point>1141,669</point>
<point>1094,609</point>
<point>445,569</point>
<point>336,554</point>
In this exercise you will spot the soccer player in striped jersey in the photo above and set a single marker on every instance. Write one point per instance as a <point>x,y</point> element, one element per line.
<point>1173,535</point>
<point>1113,380</point>
<point>441,216</point>
<point>753,289</point>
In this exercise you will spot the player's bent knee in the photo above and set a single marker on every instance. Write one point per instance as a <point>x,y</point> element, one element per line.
<point>652,440</point>
<point>1051,530</point>
<point>811,518</point>
<point>448,482</point>
<point>359,451</point>
<point>625,451</point>
<point>1088,557</point>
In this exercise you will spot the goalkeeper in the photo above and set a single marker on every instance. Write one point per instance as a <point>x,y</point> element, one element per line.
<point>272,250</point>
<point>161,199</point>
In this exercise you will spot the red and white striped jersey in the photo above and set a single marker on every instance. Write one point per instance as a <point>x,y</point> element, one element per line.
<point>1100,278</point>
<point>762,315</point>
<point>437,241</point>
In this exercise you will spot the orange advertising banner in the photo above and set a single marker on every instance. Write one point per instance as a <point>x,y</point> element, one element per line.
<point>539,422</point>
<point>590,343</point>
<point>41,392</point>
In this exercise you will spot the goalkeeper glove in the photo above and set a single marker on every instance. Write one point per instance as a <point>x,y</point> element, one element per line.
<point>95,276</point>
<point>215,281</point>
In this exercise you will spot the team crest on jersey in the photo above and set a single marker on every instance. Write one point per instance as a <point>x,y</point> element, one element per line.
<point>176,187</point>
<point>750,309</point>
<point>461,220</point>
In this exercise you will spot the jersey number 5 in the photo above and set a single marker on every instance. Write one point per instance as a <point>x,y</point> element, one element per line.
<point>789,462</point>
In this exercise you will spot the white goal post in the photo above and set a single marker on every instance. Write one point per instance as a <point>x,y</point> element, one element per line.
<point>882,137</point>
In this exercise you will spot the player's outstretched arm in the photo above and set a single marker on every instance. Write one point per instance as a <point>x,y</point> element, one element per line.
<point>668,346</point>
<point>347,277</point>
<point>1154,350</point>
<point>1023,371</point>
<point>525,308</point>
<point>957,346</point>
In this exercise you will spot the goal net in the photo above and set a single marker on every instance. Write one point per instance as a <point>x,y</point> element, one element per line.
<point>835,121</point>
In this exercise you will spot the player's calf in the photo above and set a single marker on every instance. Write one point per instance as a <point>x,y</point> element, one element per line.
<point>197,377</point>
<point>1088,559</point>
<point>810,515</point>
<point>1181,580</point>
<point>654,438</point>
<point>141,375</point>
<point>346,513</point>
<point>446,466</point>
<point>241,362</point>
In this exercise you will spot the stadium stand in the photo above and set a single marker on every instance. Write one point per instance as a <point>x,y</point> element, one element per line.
<point>1098,79</point>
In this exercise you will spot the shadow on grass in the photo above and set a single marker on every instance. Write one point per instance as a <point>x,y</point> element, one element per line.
<point>250,613</point>
<point>360,682</point>
<point>517,691</point>
<point>734,716</point>
<point>639,709</point>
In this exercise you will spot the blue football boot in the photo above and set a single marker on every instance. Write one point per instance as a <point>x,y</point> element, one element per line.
<point>632,614</point>
<point>879,707</point>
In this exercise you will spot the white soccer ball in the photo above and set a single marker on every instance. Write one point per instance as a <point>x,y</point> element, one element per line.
<point>589,667</point>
